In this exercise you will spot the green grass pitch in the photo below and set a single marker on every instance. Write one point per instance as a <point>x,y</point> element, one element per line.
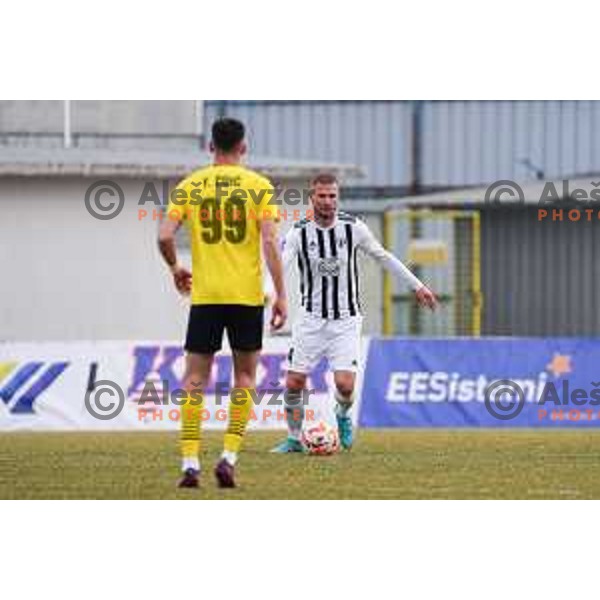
<point>384,464</point>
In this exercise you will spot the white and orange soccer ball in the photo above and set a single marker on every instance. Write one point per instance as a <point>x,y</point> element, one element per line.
<point>320,439</point>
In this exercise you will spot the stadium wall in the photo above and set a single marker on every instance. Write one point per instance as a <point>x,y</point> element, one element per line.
<point>80,278</point>
<point>114,124</point>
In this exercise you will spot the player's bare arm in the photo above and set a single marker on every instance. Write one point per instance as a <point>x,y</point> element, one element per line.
<point>182,278</point>
<point>271,253</point>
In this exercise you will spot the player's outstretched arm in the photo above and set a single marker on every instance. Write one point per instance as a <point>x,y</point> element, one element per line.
<point>425,297</point>
<point>166,244</point>
<point>270,247</point>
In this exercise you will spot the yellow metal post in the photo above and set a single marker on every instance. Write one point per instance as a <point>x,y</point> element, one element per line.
<point>477,296</point>
<point>470,267</point>
<point>388,319</point>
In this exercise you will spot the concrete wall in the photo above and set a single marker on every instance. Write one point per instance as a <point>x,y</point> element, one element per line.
<point>115,124</point>
<point>150,117</point>
<point>66,275</point>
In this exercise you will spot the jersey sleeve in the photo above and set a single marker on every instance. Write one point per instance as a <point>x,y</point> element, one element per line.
<point>267,209</point>
<point>290,248</point>
<point>369,244</point>
<point>179,201</point>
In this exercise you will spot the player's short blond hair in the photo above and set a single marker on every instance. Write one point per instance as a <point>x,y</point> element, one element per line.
<point>324,179</point>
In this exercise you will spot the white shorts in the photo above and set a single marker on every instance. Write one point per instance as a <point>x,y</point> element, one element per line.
<point>314,338</point>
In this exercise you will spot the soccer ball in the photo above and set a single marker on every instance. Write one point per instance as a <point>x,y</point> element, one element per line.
<point>320,439</point>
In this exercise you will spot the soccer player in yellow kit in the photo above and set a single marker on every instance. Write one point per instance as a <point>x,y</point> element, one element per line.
<point>230,217</point>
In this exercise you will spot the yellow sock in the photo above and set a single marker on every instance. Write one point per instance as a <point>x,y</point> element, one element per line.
<point>239,410</point>
<point>190,426</point>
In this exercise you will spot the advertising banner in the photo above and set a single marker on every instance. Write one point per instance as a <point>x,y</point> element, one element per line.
<point>493,382</point>
<point>123,385</point>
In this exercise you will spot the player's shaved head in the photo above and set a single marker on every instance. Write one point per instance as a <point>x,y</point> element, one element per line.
<point>227,134</point>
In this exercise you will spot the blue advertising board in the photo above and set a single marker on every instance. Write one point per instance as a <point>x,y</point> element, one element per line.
<point>487,382</point>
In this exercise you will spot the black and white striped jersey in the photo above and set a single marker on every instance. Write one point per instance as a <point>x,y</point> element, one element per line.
<point>328,266</point>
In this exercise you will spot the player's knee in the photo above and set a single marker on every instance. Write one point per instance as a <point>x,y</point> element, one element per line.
<point>346,391</point>
<point>192,382</point>
<point>345,387</point>
<point>295,381</point>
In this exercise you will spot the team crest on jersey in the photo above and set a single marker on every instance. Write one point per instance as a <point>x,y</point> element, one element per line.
<point>328,267</point>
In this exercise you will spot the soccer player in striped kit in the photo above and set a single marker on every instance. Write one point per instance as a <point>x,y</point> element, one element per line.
<point>325,251</point>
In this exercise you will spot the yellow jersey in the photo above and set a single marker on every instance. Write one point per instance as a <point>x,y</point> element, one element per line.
<point>222,206</point>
